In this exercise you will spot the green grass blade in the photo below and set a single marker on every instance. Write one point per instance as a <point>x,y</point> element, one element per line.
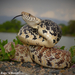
<point>2,49</point>
<point>72,50</point>
<point>0,41</point>
<point>3,42</point>
<point>73,59</point>
<point>63,47</point>
<point>12,53</point>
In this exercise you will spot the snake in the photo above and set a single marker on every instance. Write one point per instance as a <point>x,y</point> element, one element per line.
<point>40,37</point>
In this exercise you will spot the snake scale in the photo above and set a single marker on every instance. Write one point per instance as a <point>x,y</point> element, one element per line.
<point>39,37</point>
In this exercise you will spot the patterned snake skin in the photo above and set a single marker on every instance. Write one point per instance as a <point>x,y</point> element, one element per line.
<point>40,36</point>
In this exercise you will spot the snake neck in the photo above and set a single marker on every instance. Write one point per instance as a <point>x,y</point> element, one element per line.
<point>31,20</point>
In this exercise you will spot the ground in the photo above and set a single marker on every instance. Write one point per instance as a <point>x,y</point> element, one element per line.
<point>18,68</point>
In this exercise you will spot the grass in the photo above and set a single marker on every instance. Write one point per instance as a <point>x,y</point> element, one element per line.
<point>72,51</point>
<point>8,56</point>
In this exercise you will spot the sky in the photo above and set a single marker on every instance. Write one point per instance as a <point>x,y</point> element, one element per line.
<point>55,9</point>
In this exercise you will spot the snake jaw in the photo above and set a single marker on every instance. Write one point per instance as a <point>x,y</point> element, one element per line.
<point>30,19</point>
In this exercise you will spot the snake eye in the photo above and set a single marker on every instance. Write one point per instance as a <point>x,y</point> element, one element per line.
<point>17,16</point>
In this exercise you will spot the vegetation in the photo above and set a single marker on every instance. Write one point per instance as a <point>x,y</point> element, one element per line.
<point>10,26</point>
<point>69,29</point>
<point>14,26</point>
<point>72,50</point>
<point>8,56</point>
<point>17,41</point>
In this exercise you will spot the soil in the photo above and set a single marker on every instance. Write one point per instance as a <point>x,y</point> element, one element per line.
<point>20,68</point>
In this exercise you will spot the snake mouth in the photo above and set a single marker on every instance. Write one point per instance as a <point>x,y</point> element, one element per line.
<point>17,16</point>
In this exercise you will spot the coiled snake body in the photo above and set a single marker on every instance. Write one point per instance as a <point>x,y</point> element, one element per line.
<point>41,36</point>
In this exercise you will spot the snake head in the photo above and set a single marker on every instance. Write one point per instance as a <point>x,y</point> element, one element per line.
<point>30,19</point>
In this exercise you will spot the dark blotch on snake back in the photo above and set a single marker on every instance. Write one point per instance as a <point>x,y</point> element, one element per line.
<point>57,27</point>
<point>20,32</point>
<point>53,33</point>
<point>66,65</point>
<point>32,33</point>
<point>60,62</point>
<point>53,23</point>
<point>40,55</point>
<point>42,39</point>
<point>44,31</point>
<point>34,37</point>
<point>33,50</point>
<point>42,22</point>
<point>48,28</point>
<point>53,29</point>
<point>33,57</point>
<point>53,41</point>
<point>59,35</point>
<point>40,60</point>
<point>40,36</point>
<point>35,31</point>
<point>51,59</point>
<point>46,20</point>
<point>27,36</point>
<point>49,63</point>
<point>41,25</point>
<point>58,39</point>
<point>25,32</point>
<point>46,23</point>
<point>22,60</point>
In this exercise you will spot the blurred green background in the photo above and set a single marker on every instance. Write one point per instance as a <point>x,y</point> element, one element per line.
<point>15,25</point>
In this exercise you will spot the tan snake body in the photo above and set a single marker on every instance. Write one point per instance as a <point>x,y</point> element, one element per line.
<point>41,37</point>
